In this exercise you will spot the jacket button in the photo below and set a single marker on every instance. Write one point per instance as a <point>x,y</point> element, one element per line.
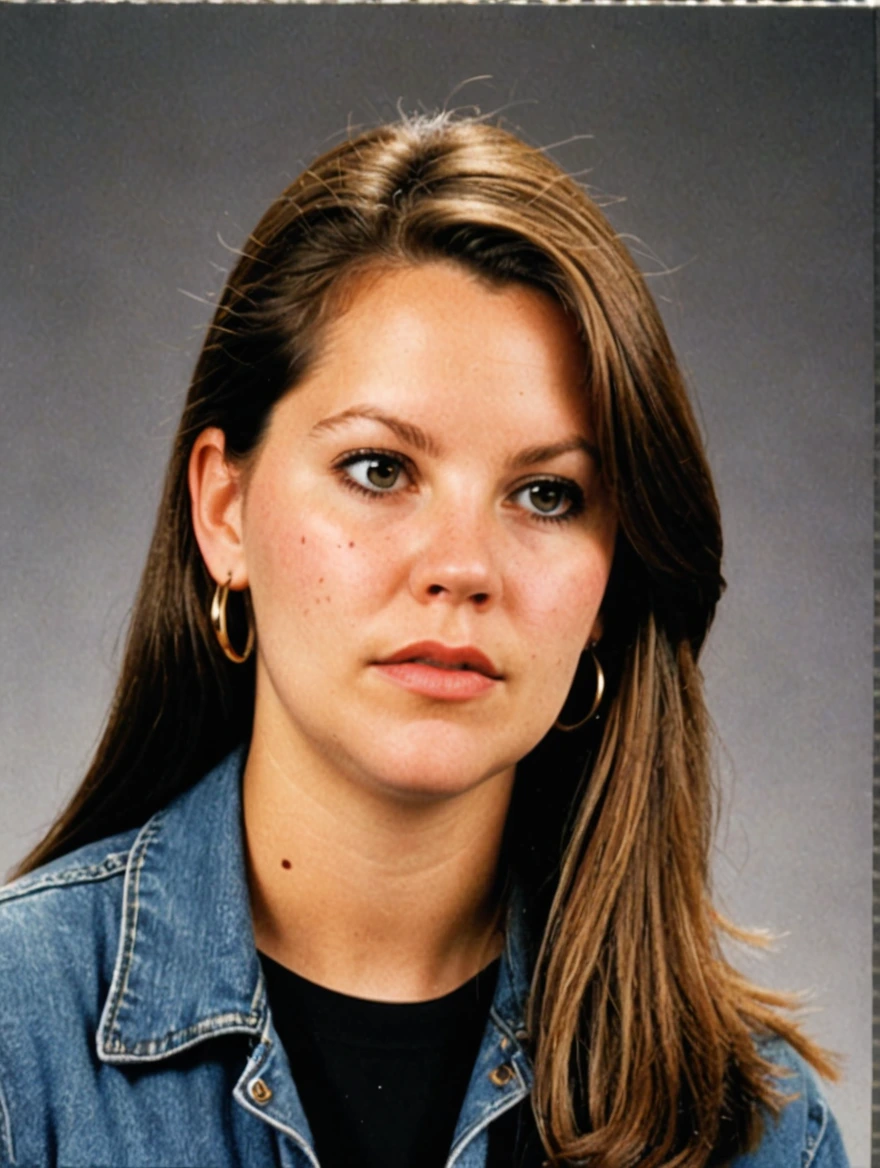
<point>260,1092</point>
<point>502,1075</point>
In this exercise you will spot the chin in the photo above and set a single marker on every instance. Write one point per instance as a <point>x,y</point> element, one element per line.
<point>428,787</point>
<point>434,759</point>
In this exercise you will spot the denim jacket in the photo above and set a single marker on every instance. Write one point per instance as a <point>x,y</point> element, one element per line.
<point>134,1026</point>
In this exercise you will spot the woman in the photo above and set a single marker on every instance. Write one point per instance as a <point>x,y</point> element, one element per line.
<point>395,849</point>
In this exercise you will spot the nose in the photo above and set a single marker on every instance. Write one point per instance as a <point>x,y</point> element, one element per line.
<point>456,562</point>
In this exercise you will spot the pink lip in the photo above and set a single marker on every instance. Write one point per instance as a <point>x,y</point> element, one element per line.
<point>428,668</point>
<point>445,655</point>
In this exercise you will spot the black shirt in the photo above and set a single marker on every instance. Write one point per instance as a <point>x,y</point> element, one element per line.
<point>381,1083</point>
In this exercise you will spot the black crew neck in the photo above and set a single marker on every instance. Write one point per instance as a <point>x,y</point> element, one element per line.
<point>381,1083</point>
<point>340,1017</point>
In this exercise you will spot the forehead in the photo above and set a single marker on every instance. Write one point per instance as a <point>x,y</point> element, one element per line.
<point>438,341</point>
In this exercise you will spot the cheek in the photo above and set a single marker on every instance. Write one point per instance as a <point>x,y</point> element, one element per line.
<point>560,607</point>
<point>316,564</point>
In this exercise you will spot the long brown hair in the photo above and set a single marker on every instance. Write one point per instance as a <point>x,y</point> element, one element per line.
<point>643,1034</point>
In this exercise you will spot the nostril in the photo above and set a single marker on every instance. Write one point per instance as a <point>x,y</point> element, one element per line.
<point>459,590</point>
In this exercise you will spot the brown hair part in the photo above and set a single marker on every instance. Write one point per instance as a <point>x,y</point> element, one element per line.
<point>643,1034</point>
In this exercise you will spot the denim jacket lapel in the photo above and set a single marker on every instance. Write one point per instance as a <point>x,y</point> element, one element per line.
<point>502,1074</point>
<point>186,966</point>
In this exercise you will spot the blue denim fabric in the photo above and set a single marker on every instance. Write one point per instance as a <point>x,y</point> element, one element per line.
<point>134,1027</point>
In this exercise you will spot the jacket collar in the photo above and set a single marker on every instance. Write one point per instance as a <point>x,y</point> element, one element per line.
<point>187,967</point>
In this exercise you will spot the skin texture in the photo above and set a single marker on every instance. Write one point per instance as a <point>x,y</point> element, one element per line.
<point>374,813</point>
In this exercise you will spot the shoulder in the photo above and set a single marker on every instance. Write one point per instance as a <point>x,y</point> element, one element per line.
<point>59,934</point>
<point>805,1134</point>
<point>59,925</point>
<point>72,882</point>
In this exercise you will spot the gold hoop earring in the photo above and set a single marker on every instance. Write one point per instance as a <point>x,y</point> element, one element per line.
<point>218,623</point>
<point>597,700</point>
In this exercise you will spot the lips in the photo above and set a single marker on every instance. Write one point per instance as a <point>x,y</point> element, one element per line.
<point>439,656</point>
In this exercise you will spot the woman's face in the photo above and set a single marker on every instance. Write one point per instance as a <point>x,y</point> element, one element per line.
<point>425,535</point>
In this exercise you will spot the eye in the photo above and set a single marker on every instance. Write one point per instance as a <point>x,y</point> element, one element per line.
<point>551,498</point>
<point>373,471</point>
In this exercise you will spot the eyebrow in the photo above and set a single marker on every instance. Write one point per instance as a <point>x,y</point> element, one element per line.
<point>408,431</point>
<point>546,453</point>
<point>422,441</point>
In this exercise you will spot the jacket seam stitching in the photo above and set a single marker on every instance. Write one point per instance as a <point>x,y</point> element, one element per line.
<point>143,1052</point>
<point>279,1125</point>
<point>810,1151</point>
<point>258,1001</point>
<point>7,1126</point>
<point>486,1119</point>
<point>138,855</point>
<point>113,865</point>
<point>507,1028</point>
<point>240,1095</point>
<point>509,1031</point>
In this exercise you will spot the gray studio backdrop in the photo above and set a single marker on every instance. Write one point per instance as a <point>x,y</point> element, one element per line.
<point>139,145</point>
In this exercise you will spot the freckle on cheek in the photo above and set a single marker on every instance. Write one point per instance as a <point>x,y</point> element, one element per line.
<point>351,543</point>
<point>285,863</point>
<point>302,539</point>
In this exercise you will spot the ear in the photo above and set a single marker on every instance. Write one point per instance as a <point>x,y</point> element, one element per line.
<point>215,491</point>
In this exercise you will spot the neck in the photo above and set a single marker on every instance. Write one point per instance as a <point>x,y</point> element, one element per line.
<point>370,893</point>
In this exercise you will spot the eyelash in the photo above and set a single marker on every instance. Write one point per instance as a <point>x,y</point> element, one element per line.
<point>570,489</point>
